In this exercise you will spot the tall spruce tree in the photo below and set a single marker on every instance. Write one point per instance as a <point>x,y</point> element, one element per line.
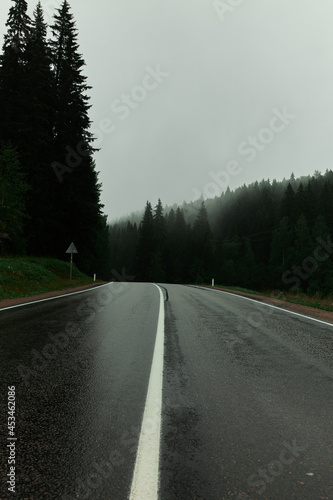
<point>13,118</point>
<point>145,246</point>
<point>14,123</point>
<point>178,251</point>
<point>159,227</point>
<point>201,246</point>
<point>71,128</point>
<point>76,187</point>
<point>158,268</point>
<point>39,107</point>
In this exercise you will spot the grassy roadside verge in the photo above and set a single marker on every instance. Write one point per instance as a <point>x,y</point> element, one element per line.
<point>324,303</point>
<point>25,276</point>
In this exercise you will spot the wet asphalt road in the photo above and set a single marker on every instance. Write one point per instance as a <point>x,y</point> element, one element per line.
<point>247,396</point>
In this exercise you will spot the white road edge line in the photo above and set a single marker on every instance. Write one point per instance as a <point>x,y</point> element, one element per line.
<point>145,482</point>
<point>53,298</point>
<point>282,309</point>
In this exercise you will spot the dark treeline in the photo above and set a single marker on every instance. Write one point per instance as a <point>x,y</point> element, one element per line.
<point>262,236</point>
<point>49,189</point>
<point>162,248</point>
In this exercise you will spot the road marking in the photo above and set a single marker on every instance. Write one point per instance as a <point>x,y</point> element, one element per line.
<point>145,482</point>
<point>265,304</point>
<point>53,298</point>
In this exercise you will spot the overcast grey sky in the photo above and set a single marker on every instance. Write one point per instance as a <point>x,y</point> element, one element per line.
<point>190,96</point>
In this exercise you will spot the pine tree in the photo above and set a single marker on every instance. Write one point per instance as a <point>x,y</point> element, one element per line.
<point>292,182</point>
<point>13,119</point>
<point>176,247</point>
<point>77,191</point>
<point>201,246</point>
<point>300,201</point>
<point>201,225</point>
<point>72,122</point>
<point>39,85</point>
<point>159,227</point>
<point>145,248</point>
<point>19,28</point>
<point>158,266</point>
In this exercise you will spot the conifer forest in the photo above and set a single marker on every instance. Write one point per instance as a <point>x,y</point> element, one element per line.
<point>49,189</point>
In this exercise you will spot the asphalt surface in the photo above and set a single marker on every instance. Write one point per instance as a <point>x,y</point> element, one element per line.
<point>247,396</point>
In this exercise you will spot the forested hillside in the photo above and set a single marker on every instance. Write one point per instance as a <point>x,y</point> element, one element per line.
<point>49,189</point>
<point>263,236</point>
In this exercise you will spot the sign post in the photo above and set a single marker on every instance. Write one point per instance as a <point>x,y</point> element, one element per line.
<point>71,249</point>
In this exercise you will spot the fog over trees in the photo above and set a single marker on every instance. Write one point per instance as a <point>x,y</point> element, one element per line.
<point>265,236</point>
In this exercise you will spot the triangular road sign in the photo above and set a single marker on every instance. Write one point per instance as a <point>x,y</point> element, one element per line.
<point>71,249</point>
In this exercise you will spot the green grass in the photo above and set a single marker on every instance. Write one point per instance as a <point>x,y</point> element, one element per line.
<point>24,276</point>
<point>317,301</point>
<point>325,303</point>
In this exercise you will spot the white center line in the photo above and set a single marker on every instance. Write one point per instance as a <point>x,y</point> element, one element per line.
<point>145,482</point>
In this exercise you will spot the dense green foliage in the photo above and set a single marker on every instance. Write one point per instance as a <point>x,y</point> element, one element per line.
<point>50,195</point>
<point>263,236</point>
